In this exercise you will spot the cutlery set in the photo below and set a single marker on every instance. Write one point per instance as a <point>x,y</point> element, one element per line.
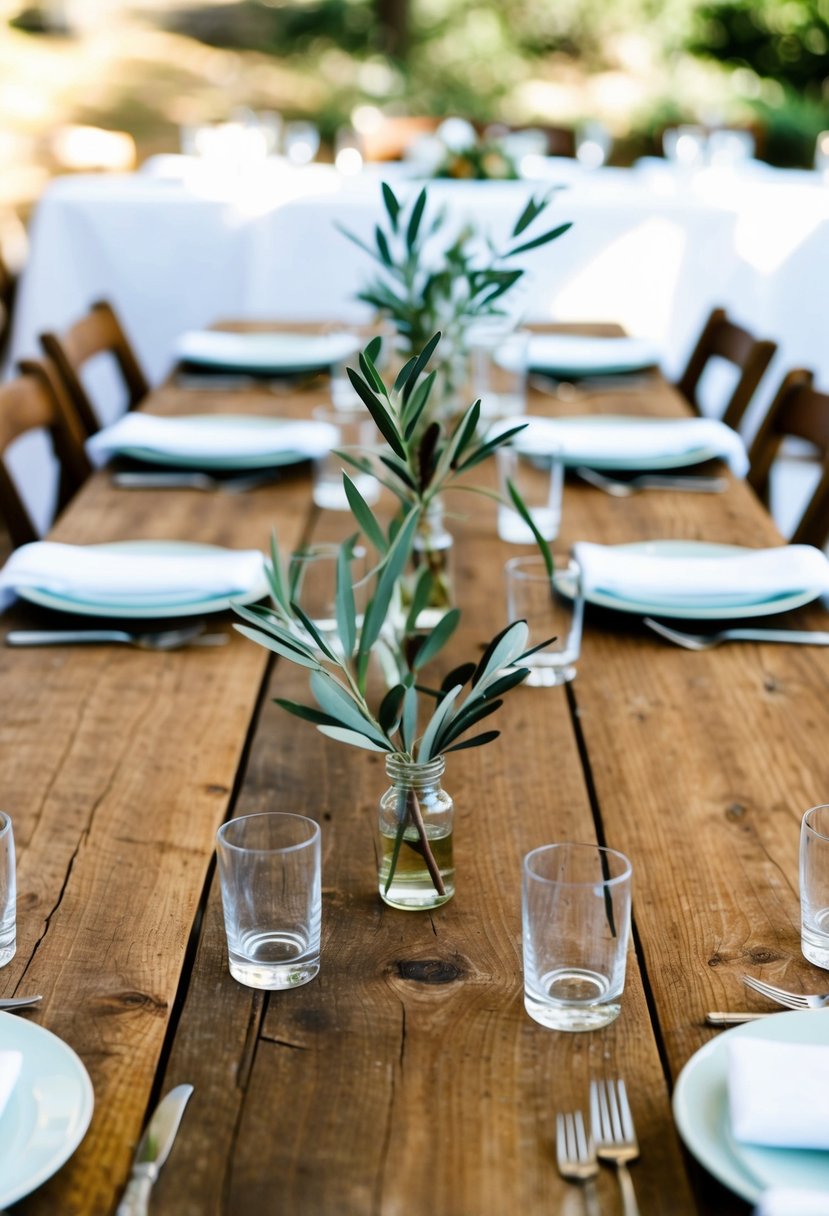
<point>707,641</point>
<point>781,996</point>
<point>651,481</point>
<point>167,639</point>
<point>612,1140</point>
<point>187,480</point>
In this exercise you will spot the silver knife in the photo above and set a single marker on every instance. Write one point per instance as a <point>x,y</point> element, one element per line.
<point>153,1150</point>
<point>735,1019</point>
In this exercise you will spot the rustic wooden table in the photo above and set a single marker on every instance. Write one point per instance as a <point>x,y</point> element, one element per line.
<point>407,1079</point>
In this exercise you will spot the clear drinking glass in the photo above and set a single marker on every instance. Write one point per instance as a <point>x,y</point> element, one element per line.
<point>8,892</point>
<point>552,610</point>
<point>539,479</point>
<point>498,372</point>
<point>313,579</point>
<point>355,432</point>
<point>271,879</point>
<point>814,886</point>
<point>576,922</point>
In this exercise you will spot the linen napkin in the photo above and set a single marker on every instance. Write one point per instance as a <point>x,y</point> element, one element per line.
<point>10,1064</point>
<point>628,440</point>
<point>778,1094</point>
<point>583,355</point>
<point>785,1201</point>
<point>85,572</point>
<point>209,436</point>
<point>750,577</point>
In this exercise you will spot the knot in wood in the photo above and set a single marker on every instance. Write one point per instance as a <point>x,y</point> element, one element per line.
<point>735,811</point>
<point>429,971</point>
<point>762,954</point>
<point>129,1000</point>
<point>716,960</point>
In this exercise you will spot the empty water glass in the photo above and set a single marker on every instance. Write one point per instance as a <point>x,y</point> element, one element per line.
<point>498,372</point>
<point>301,141</point>
<point>814,886</point>
<point>8,892</point>
<point>576,925</point>
<point>355,432</point>
<point>539,480</point>
<point>553,609</point>
<point>271,878</point>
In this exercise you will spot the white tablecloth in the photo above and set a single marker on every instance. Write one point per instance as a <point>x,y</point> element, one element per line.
<point>181,248</point>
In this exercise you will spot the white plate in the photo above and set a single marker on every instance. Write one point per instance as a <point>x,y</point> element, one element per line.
<point>221,461</point>
<point>626,462</point>
<point>701,1112</point>
<point>264,353</point>
<point>140,607</point>
<point>716,608</point>
<point>574,355</point>
<point>48,1111</point>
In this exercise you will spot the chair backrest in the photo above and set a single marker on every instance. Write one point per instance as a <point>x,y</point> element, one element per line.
<point>36,400</point>
<point>722,338</point>
<point>97,333</point>
<point>798,411</point>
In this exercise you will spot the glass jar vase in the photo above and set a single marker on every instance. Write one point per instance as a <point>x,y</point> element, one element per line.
<point>416,870</point>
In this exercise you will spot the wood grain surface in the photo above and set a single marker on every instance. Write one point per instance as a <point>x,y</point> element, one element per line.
<point>407,1078</point>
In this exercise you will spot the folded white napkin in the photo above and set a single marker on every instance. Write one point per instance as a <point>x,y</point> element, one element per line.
<point>778,1093</point>
<point>85,572</point>
<point>750,577</point>
<point>10,1064</point>
<point>582,355</point>
<point>262,352</point>
<point>621,440</point>
<point>784,1201</point>
<point>210,436</point>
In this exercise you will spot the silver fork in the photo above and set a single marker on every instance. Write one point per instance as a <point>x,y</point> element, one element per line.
<point>651,481</point>
<point>166,639</point>
<point>614,1135</point>
<point>139,480</point>
<point>791,1000</point>
<point>706,641</point>
<point>576,1157</point>
<point>11,1003</point>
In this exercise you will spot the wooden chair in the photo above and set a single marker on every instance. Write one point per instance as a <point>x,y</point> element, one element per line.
<point>798,411</point>
<point>98,333</point>
<point>35,400</point>
<point>723,339</point>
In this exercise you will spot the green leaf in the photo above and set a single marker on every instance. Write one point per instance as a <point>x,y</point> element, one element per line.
<point>333,699</point>
<point>408,724</point>
<point>342,735</point>
<point>402,820</point>
<point>522,510</point>
<point>467,428</point>
<point>458,675</point>
<point>389,712</point>
<point>373,348</point>
<point>400,471</point>
<point>382,246</point>
<point>486,449</point>
<point>539,240</point>
<point>530,212</point>
<point>364,516</point>
<point>371,374</point>
<point>378,606</point>
<point>432,731</point>
<point>476,741</point>
<point>385,423</point>
<point>512,678</point>
<point>306,712</point>
<point>392,205</point>
<point>404,373</point>
<point>276,575</point>
<point>437,639</point>
<point>501,651</point>
<point>420,598</point>
<point>415,218</point>
<point>344,598</point>
<point>262,639</point>
<point>419,364</point>
<point>417,404</point>
<point>464,719</point>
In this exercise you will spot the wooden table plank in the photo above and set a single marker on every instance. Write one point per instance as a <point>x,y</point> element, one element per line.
<point>408,1077</point>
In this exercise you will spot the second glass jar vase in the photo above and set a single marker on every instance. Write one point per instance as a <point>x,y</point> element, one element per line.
<point>416,870</point>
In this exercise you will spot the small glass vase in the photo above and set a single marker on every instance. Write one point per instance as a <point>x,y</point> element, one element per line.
<point>416,823</point>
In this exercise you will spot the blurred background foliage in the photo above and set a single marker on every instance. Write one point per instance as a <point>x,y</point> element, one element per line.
<point>150,66</point>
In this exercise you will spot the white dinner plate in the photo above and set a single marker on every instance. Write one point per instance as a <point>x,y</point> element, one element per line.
<point>574,355</point>
<point>264,353</point>
<point>625,462</point>
<point>220,461</point>
<point>701,1112</point>
<point>713,608</point>
<point>48,1111</point>
<point>143,607</point>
